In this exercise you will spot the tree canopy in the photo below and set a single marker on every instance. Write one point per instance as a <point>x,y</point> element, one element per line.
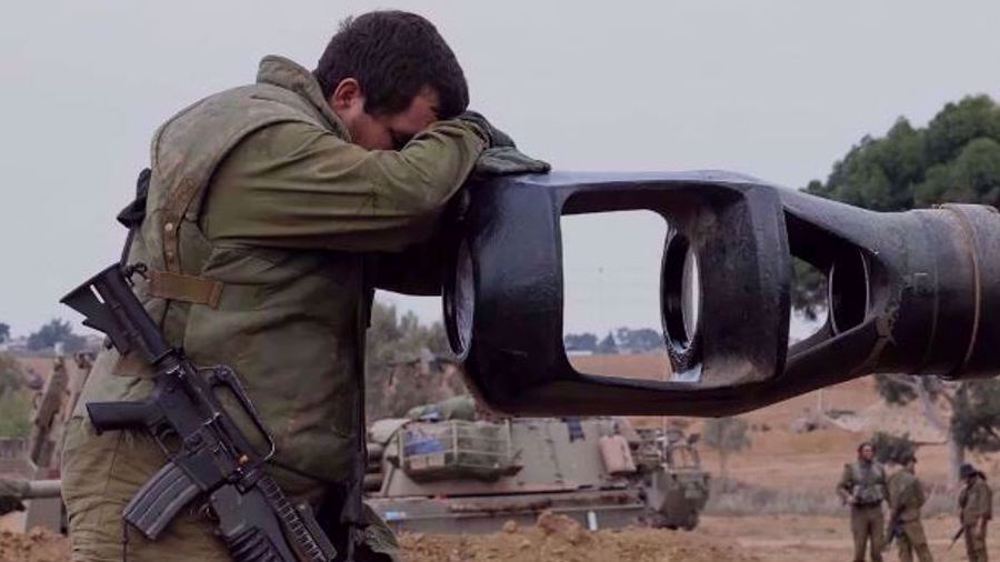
<point>56,332</point>
<point>955,158</point>
<point>726,436</point>
<point>622,340</point>
<point>608,345</point>
<point>396,345</point>
<point>893,449</point>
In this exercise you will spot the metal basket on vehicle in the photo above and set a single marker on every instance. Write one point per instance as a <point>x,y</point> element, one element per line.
<point>456,449</point>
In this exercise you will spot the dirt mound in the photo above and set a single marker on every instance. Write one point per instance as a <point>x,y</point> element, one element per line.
<point>558,538</point>
<point>36,546</point>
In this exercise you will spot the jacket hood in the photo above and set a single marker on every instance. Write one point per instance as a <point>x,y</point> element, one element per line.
<point>290,75</point>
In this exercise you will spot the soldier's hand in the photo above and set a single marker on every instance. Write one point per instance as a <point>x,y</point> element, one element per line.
<point>502,156</point>
<point>499,161</point>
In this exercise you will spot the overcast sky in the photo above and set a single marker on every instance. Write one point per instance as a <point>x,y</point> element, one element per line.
<point>775,89</point>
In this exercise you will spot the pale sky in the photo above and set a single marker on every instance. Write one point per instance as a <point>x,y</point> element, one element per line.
<point>775,89</point>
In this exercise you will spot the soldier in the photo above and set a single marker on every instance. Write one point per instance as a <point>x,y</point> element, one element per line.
<point>975,503</point>
<point>906,497</point>
<point>272,213</point>
<point>862,485</point>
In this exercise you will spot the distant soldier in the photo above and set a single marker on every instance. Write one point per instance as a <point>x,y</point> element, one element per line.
<point>976,505</point>
<point>906,497</point>
<point>862,485</point>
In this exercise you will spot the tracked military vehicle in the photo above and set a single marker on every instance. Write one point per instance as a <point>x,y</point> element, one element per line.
<point>443,470</point>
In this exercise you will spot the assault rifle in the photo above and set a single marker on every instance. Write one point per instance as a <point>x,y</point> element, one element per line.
<point>895,530</point>
<point>212,459</point>
<point>958,535</point>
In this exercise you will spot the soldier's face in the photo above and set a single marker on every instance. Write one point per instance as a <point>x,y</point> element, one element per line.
<point>383,131</point>
<point>867,453</point>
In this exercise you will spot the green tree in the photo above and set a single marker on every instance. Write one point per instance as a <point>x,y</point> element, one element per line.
<point>959,123</point>
<point>956,157</point>
<point>976,425</point>
<point>580,342</point>
<point>397,345</point>
<point>15,400</point>
<point>972,177</point>
<point>893,448</point>
<point>966,412</point>
<point>726,436</point>
<point>56,332</point>
<point>608,345</point>
<point>4,332</point>
<point>809,289</point>
<point>641,340</point>
<point>11,375</point>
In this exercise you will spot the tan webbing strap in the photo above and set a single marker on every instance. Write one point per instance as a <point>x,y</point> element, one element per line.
<point>184,288</point>
<point>176,204</point>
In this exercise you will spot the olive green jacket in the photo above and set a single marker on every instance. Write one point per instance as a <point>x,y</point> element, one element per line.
<point>862,483</point>
<point>266,231</point>
<point>906,495</point>
<point>976,502</point>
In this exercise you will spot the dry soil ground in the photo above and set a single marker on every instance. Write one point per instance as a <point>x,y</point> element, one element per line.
<point>719,539</point>
<point>805,463</point>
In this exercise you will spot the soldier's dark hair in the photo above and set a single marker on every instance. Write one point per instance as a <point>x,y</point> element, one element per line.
<point>393,55</point>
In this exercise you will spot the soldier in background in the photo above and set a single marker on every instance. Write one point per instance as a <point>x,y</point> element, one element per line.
<point>862,485</point>
<point>975,503</point>
<point>906,497</point>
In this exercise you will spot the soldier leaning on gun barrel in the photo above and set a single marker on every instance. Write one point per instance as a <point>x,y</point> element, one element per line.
<point>862,485</point>
<point>975,503</point>
<point>275,210</point>
<point>906,497</point>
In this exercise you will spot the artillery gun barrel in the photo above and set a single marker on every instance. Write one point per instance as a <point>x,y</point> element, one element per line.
<point>21,489</point>
<point>908,292</point>
<point>39,489</point>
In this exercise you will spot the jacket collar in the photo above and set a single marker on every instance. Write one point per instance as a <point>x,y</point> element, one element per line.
<point>288,74</point>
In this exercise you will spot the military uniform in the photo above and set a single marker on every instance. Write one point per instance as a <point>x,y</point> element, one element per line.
<point>265,234</point>
<point>863,485</point>
<point>906,497</point>
<point>976,503</point>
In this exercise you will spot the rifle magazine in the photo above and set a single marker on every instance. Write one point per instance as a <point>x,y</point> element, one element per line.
<point>158,501</point>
